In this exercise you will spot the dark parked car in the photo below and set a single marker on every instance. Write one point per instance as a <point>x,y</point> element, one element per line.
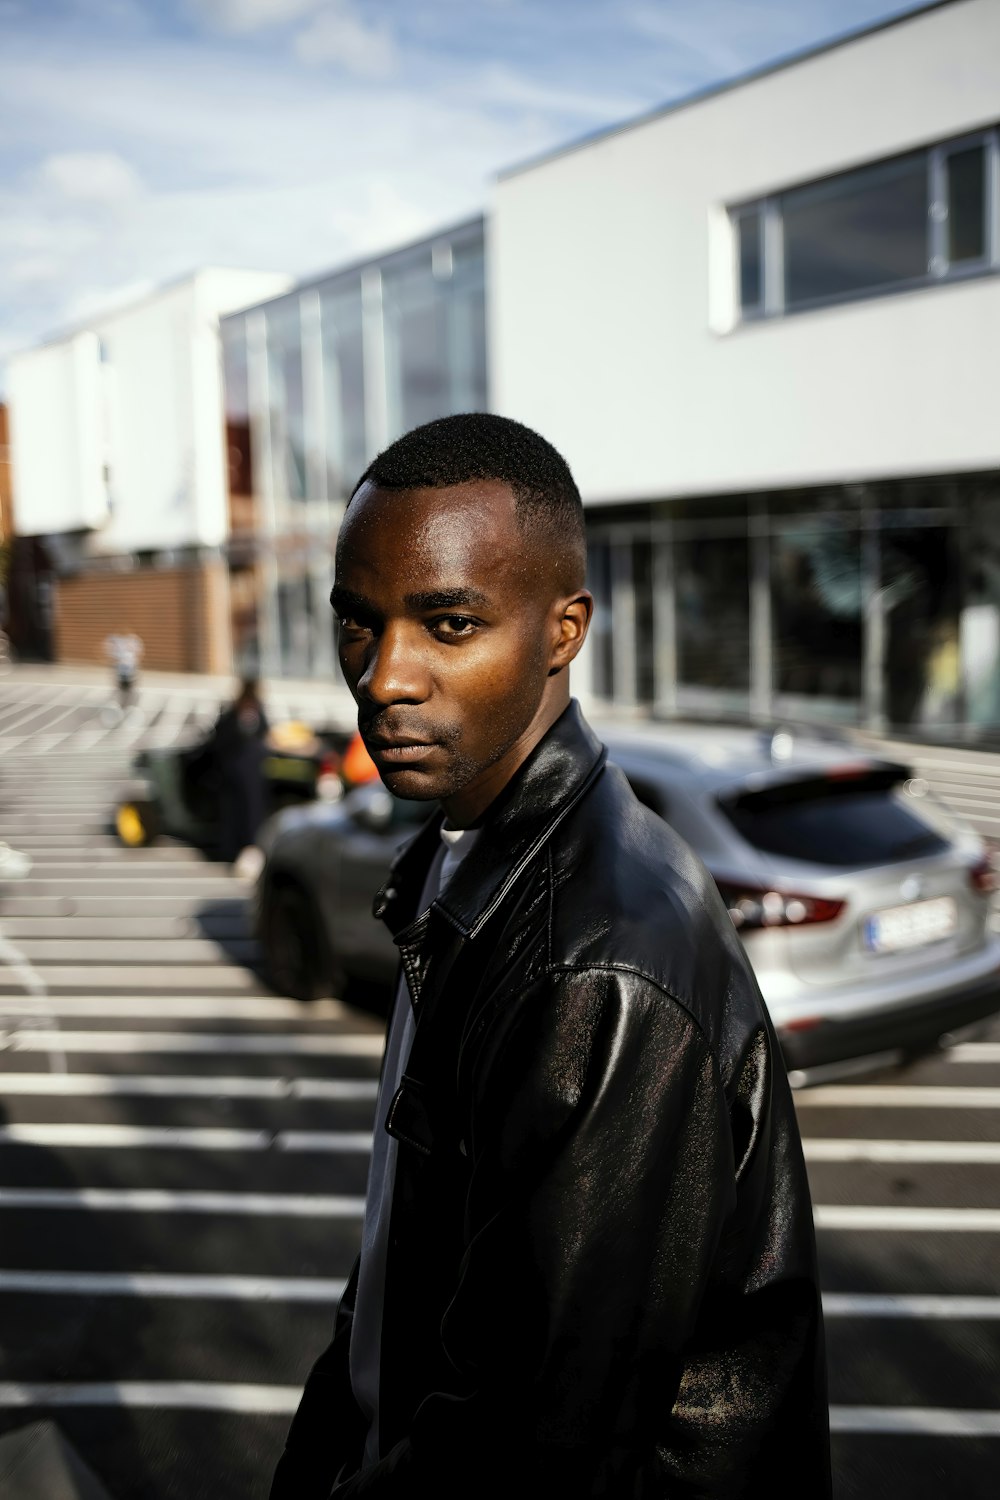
<point>175,789</point>
<point>863,905</point>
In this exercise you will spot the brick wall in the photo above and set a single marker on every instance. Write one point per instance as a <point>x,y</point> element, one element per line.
<point>181,615</point>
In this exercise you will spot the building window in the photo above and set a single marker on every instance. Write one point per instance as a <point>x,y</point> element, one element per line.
<point>906,222</point>
<point>343,385</point>
<point>857,232</point>
<point>749,226</point>
<point>966,204</point>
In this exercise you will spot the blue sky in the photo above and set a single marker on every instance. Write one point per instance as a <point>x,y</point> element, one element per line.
<point>142,138</point>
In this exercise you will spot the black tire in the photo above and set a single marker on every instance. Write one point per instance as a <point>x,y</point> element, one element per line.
<point>295,958</point>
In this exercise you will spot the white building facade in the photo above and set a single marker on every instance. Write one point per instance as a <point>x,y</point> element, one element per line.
<point>763,327</point>
<point>119,471</point>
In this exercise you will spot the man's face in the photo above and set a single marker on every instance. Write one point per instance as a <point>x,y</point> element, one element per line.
<point>450,627</point>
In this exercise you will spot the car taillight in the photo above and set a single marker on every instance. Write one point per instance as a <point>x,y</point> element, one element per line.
<point>983,877</point>
<point>752,906</point>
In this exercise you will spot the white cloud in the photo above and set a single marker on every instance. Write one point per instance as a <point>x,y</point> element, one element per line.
<point>95,177</point>
<point>337,35</point>
<point>499,84</point>
<point>249,15</point>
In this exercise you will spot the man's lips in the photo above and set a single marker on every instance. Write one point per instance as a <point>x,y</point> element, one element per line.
<point>400,751</point>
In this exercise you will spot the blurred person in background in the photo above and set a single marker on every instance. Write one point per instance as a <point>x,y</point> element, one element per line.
<point>238,746</point>
<point>124,652</point>
<point>588,1259</point>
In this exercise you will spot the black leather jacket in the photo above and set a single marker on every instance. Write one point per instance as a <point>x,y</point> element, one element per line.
<point>601,1268</point>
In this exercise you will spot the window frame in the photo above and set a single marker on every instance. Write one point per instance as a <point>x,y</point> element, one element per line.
<point>939,269</point>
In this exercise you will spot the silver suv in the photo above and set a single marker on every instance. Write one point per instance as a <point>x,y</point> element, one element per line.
<point>862,903</point>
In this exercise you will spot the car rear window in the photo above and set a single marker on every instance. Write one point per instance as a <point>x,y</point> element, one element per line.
<point>862,819</point>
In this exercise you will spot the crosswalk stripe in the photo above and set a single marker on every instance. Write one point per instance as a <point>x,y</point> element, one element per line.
<point>181,1138</point>
<point>204,1042</point>
<point>161,1200</point>
<point>322,1140</point>
<point>865,1217</point>
<point>865,1305</point>
<point>974,1052</point>
<point>169,1085</point>
<point>897,1096</point>
<point>183,1007</point>
<point>164,1284</point>
<point>165,1395</point>
<point>914,1421</point>
<point>966,1153</point>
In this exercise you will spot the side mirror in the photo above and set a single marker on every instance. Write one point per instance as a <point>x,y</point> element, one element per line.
<point>373,810</point>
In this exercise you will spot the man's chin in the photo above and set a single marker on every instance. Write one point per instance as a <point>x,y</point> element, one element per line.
<point>411,785</point>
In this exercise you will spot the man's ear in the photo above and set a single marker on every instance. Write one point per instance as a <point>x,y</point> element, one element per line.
<point>574,620</point>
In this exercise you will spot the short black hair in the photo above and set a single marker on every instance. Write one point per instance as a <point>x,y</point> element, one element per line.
<point>479,445</point>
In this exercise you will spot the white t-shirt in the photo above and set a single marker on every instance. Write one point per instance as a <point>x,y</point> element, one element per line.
<point>366,1329</point>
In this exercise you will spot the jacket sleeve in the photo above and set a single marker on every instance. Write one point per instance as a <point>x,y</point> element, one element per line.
<point>602,1179</point>
<point>328,1431</point>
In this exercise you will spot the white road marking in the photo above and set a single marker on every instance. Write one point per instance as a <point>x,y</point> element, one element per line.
<point>334,1088</point>
<point>965,1153</point>
<point>186,1007</point>
<point>974,1052</point>
<point>169,1085</point>
<point>951,1220</point>
<point>133,875</point>
<point>907,1421</point>
<point>181,1041</point>
<point>173,1395</point>
<point>163,1284</point>
<point>898,1096</point>
<point>112,1137</point>
<point>323,1140</point>
<point>181,1138</point>
<point>161,1200</point>
<point>858,1305</point>
<point>56,700</point>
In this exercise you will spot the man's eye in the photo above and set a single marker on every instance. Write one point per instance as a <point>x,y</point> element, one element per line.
<point>351,623</point>
<point>451,627</point>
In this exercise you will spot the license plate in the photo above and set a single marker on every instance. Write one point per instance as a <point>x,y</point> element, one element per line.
<point>900,927</point>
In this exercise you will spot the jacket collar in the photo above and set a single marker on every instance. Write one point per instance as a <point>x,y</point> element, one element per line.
<point>516,827</point>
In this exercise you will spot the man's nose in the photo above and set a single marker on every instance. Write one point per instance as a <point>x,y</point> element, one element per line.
<point>394,671</point>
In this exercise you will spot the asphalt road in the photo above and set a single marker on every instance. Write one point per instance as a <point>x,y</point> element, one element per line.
<point>183,1159</point>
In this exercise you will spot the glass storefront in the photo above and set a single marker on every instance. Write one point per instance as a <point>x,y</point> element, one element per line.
<point>875,605</point>
<point>317,382</point>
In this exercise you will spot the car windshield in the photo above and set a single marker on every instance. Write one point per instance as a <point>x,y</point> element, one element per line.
<point>865,820</point>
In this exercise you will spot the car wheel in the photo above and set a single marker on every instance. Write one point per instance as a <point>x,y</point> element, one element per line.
<point>136,824</point>
<point>293,947</point>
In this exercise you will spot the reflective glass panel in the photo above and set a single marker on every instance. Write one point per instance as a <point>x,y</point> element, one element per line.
<point>237,404</point>
<point>599,637</point>
<point>713,611</point>
<point>919,600</point>
<point>467,328</point>
<point>857,231</point>
<point>966,204</point>
<point>285,401</point>
<point>817,614</point>
<point>751,288</point>
<point>980,617</point>
<point>642,586</point>
<point>343,386</point>
<point>416,346</point>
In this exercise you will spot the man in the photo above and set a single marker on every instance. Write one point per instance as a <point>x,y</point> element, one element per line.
<point>588,1258</point>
